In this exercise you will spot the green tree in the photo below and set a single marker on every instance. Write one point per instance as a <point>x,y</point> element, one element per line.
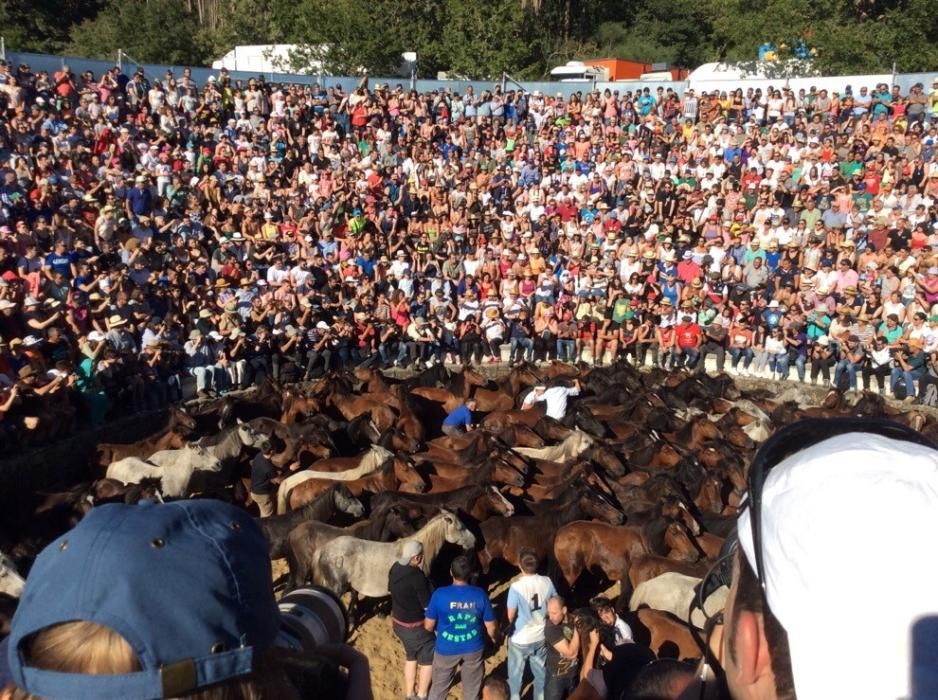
<point>42,25</point>
<point>158,31</point>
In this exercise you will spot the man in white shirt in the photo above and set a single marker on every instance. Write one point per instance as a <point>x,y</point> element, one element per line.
<point>555,397</point>
<point>607,614</point>
<point>527,610</point>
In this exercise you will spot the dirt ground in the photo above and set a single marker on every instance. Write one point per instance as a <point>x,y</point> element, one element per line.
<point>376,640</point>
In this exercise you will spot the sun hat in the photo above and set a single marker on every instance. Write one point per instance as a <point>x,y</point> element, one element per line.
<point>410,550</point>
<point>815,551</point>
<point>116,320</point>
<point>186,584</point>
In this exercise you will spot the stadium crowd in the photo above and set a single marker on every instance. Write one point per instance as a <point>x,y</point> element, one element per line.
<point>153,229</point>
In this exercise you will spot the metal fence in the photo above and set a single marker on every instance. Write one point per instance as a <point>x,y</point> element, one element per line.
<point>552,88</point>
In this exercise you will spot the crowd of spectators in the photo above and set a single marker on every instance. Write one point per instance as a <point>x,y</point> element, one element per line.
<point>152,229</point>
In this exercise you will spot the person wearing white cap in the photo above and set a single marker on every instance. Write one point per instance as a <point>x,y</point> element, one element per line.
<point>318,339</point>
<point>555,398</point>
<point>807,614</point>
<point>410,591</point>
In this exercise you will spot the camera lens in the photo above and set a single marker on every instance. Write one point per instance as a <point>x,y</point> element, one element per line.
<point>311,616</point>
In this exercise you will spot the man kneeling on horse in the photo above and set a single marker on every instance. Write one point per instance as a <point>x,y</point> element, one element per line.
<point>460,420</point>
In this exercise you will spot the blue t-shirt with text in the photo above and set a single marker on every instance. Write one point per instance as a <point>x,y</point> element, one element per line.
<point>460,613</point>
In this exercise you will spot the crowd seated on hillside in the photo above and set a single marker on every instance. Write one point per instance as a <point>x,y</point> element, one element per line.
<point>154,229</point>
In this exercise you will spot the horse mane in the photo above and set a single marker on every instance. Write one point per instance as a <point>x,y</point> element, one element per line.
<point>371,461</point>
<point>432,536</point>
<point>216,439</point>
<point>572,447</point>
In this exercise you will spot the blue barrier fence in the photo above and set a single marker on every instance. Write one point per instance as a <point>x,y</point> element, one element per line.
<point>200,75</point>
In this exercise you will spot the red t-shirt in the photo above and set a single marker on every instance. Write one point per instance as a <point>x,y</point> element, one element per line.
<point>688,334</point>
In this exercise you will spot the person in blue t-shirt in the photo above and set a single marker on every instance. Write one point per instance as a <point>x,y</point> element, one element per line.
<point>460,419</point>
<point>462,615</point>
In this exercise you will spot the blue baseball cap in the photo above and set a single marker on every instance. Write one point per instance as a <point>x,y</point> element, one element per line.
<point>186,584</point>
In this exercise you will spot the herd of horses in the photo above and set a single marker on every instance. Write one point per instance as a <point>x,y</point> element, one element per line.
<point>640,485</point>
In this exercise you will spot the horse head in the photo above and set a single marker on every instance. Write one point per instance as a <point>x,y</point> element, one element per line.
<point>680,542</point>
<point>455,531</point>
<point>11,582</point>
<point>599,505</point>
<point>181,420</point>
<point>405,470</point>
<point>251,437</point>
<point>347,503</point>
<point>499,503</point>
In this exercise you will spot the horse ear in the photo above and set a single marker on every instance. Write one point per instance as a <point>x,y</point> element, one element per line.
<point>240,422</point>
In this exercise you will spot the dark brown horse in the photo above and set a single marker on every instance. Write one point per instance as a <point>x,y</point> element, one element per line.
<point>506,538</point>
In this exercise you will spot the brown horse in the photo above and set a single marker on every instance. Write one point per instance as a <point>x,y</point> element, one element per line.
<point>476,502</point>
<point>497,469</point>
<point>664,634</point>
<point>506,538</point>
<point>396,474</point>
<point>447,399</point>
<point>580,546</point>
<point>644,567</point>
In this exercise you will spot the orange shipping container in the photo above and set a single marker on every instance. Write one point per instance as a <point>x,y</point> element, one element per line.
<point>624,69</point>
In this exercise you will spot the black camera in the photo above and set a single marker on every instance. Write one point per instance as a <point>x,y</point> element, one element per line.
<point>311,616</point>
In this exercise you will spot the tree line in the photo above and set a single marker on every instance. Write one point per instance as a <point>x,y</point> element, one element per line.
<point>481,38</point>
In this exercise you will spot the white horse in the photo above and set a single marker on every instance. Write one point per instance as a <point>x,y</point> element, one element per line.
<point>229,443</point>
<point>674,593</point>
<point>180,471</point>
<point>174,469</point>
<point>371,461</point>
<point>349,563</point>
<point>11,582</point>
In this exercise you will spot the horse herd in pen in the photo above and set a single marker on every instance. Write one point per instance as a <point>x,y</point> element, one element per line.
<point>639,485</point>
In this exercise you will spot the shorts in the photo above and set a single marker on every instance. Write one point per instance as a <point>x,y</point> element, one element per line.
<point>418,643</point>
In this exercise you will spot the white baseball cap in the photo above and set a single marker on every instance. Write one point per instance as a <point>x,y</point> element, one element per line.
<point>843,524</point>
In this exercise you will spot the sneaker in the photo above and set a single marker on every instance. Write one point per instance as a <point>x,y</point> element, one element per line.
<point>744,372</point>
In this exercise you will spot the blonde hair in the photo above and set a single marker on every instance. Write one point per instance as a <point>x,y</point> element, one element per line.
<point>87,647</point>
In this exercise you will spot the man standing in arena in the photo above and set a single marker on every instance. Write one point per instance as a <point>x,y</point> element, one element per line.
<point>527,608</point>
<point>461,614</point>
